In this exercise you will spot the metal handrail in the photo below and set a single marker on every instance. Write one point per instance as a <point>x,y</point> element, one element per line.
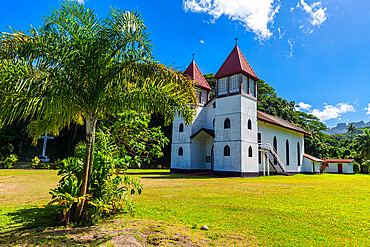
<point>268,146</point>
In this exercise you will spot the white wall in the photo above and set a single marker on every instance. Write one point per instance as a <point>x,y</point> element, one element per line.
<point>269,131</point>
<point>211,112</point>
<point>239,109</point>
<point>196,150</point>
<point>308,166</point>
<point>346,167</point>
<point>333,168</point>
<point>180,162</point>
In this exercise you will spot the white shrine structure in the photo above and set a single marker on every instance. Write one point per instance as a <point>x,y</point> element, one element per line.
<point>229,136</point>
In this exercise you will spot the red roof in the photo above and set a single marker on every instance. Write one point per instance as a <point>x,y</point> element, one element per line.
<point>235,63</point>
<point>339,160</point>
<point>263,116</point>
<point>312,158</point>
<point>194,73</point>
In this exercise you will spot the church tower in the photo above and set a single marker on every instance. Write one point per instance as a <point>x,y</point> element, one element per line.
<point>235,145</point>
<point>189,153</point>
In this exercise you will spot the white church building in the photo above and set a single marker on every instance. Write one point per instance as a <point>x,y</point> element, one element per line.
<point>229,136</point>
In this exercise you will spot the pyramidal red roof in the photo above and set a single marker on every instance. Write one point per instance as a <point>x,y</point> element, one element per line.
<point>235,63</point>
<point>194,73</point>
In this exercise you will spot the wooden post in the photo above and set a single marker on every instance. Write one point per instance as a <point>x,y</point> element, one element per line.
<point>263,163</point>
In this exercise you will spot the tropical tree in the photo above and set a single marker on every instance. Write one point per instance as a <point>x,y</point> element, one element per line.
<point>78,68</point>
<point>362,144</point>
<point>351,128</point>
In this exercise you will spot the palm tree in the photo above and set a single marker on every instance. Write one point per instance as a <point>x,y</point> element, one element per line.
<point>362,144</point>
<point>351,128</point>
<point>78,69</point>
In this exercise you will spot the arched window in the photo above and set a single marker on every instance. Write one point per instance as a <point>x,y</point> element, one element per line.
<point>227,123</point>
<point>249,124</point>
<point>287,152</point>
<point>226,150</point>
<point>213,122</point>
<point>250,154</point>
<point>181,128</point>
<point>181,151</point>
<point>298,154</point>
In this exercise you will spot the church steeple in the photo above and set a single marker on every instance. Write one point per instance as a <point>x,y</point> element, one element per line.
<point>236,63</point>
<point>194,73</point>
<point>236,76</point>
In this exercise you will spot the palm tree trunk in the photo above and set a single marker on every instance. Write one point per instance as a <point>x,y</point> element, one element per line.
<point>87,167</point>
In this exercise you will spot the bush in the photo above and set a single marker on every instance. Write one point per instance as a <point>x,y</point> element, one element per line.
<point>356,167</point>
<point>323,167</point>
<point>35,162</point>
<point>365,168</point>
<point>9,161</point>
<point>109,191</point>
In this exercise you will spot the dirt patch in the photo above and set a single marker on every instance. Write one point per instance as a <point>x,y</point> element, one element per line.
<point>119,232</point>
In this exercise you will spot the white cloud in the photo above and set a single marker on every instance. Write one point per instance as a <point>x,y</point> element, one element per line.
<point>331,111</point>
<point>255,16</point>
<point>201,41</point>
<point>368,109</point>
<point>316,12</point>
<point>303,106</point>
<point>291,44</point>
<point>280,33</point>
<point>79,1</point>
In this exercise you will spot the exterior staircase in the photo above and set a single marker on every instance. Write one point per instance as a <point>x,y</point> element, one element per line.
<point>274,159</point>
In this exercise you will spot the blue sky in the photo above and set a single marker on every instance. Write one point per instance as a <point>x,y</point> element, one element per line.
<point>311,51</point>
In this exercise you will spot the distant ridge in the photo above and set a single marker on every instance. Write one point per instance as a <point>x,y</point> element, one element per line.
<point>341,128</point>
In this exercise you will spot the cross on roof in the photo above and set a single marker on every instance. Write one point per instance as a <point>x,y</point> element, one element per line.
<point>193,55</point>
<point>236,41</point>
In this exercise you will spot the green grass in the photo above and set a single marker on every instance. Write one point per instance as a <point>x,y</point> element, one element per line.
<point>300,210</point>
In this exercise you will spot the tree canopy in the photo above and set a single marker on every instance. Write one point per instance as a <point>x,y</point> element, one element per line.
<point>78,68</point>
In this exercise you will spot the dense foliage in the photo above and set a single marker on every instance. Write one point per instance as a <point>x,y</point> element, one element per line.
<point>109,191</point>
<point>79,69</point>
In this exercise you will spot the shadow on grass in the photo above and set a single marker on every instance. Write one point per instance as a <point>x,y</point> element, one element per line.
<point>37,226</point>
<point>168,175</point>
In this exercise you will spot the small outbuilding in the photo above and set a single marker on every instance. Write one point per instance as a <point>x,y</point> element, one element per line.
<point>311,164</point>
<point>340,166</point>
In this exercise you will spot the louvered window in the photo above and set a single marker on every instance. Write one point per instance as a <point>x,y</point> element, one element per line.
<point>245,84</point>
<point>222,86</point>
<point>234,84</point>
<point>198,93</point>
<point>252,86</point>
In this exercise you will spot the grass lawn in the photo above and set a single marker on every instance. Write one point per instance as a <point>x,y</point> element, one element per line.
<point>300,210</point>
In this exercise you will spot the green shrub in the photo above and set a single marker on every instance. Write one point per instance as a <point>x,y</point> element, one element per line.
<point>9,161</point>
<point>109,191</point>
<point>35,163</point>
<point>365,167</point>
<point>356,167</point>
